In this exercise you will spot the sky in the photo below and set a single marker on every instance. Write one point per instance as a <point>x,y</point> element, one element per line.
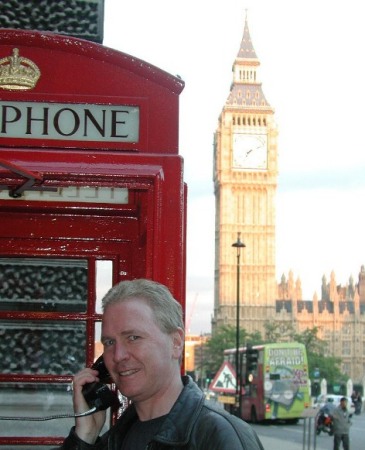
<point>312,73</point>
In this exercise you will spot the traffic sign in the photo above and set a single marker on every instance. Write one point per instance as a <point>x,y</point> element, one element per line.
<point>225,379</point>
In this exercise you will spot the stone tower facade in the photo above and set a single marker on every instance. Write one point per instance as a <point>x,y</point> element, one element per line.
<point>245,182</point>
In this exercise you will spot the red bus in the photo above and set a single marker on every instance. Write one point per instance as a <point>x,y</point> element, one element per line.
<point>276,388</point>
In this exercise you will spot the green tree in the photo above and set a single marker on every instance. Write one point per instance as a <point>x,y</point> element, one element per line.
<point>329,368</point>
<point>225,337</point>
<point>278,332</point>
<point>317,352</point>
<point>313,344</point>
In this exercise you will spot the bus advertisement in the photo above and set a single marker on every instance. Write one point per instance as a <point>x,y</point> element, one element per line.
<point>275,388</point>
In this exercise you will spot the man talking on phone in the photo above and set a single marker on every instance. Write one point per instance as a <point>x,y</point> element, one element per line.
<point>143,339</point>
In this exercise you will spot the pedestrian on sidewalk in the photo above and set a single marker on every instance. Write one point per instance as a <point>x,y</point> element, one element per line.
<point>341,425</point>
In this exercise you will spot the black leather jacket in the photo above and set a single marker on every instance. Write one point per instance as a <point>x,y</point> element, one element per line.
<point>192,424</point>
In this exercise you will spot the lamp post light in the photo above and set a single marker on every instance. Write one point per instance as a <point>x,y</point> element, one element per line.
<point>238,245</point>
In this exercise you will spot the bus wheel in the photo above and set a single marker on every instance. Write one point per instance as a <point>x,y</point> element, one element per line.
<point>253,415</point>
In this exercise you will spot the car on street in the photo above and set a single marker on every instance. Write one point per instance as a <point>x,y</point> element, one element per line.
<point>335,399</point>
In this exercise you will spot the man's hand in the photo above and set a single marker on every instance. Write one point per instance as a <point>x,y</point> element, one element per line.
<point>87,428</point>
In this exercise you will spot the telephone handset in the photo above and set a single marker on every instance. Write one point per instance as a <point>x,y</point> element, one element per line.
<point>98,394</point>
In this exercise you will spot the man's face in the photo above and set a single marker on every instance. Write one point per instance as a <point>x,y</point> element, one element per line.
<point>343,404</point>
<point>139,356</point>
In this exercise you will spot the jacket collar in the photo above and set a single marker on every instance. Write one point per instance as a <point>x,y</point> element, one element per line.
<point>179,423</point>
<point>177,427</point>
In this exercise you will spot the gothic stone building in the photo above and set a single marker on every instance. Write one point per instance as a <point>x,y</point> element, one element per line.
<point>339,316</point>
<point>245,185</point>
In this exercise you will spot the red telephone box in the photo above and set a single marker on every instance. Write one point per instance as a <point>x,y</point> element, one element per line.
<point>91,193</point>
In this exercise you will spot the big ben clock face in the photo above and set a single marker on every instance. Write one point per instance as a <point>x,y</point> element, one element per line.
<point>250,151</point>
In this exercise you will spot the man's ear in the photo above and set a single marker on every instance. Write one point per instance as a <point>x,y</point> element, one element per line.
<point>178,342</point>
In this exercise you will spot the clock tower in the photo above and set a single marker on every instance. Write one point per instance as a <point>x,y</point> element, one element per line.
<point>245,182</point>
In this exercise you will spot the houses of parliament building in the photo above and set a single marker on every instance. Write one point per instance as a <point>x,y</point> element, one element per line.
<point>245,187</point>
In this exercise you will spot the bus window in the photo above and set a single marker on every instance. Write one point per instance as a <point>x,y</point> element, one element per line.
<point>274,376</point>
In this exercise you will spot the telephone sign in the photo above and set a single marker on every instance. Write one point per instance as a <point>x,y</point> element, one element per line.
<point>69,121</point>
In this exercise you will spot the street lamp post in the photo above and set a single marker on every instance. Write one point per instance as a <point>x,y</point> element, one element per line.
<point>238,245</point>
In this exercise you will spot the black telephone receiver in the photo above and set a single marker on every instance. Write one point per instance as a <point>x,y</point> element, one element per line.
<point>98,394</point>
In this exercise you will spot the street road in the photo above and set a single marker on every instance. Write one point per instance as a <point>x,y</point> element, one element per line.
<point>290,437</point>
<point>273,436</point>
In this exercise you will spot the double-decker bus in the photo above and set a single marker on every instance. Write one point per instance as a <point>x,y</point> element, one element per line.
<point>276,388</point>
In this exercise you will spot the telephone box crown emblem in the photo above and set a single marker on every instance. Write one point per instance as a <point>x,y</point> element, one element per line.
<point>18,73</point>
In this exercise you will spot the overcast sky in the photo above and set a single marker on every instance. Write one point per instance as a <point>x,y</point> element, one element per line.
<point>312,71</point>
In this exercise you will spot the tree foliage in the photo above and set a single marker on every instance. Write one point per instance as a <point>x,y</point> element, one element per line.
<point>329,367</point>
<point>278,332</point>
<point>317,351</point>
<point>225,338</point>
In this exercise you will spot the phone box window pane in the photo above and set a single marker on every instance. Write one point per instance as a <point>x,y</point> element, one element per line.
<point>104,281</point>
<point>99,348</point>
<point>34,347</point>
<point>41,284</point>
<point>36,401</point>
<point>23,447</point>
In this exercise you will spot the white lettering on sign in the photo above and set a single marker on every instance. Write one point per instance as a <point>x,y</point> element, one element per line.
<point>286,356</point>
<point>69,121</point>
<point>75,194</point>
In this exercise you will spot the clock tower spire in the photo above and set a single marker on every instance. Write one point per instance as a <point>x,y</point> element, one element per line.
<point>245,180</point>
<point>246,48</point>
<point>246,75</point>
